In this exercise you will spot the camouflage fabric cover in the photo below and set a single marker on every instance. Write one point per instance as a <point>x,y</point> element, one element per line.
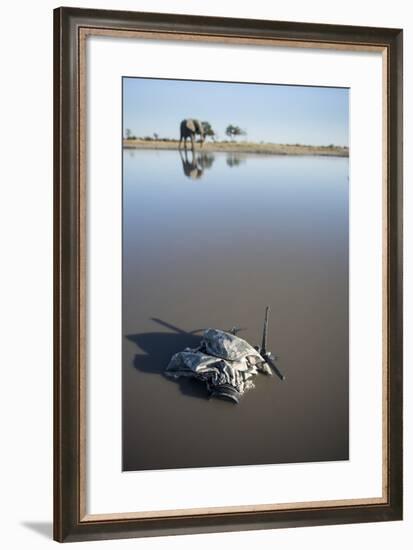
<point>225,362</point>
<point>226,345</point>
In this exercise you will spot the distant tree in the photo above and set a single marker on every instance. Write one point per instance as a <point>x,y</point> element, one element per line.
<point>129,134</point>
<point>233,131</point>
<point>229,130</point>
<point>155,135</point>
<point>208,130</point>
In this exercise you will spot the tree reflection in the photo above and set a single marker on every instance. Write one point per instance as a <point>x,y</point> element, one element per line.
<point>235,159</point>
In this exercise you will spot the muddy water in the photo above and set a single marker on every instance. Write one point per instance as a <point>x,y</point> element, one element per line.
<point>209,242</point>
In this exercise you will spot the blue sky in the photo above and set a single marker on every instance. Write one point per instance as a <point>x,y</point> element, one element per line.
<point>273,113</point>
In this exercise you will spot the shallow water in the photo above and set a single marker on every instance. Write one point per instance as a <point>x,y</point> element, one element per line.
<point>209,242</point>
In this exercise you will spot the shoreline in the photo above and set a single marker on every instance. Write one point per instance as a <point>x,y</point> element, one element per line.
<point>241,147</point>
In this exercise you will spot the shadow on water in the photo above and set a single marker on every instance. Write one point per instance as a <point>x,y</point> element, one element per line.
<point>158,348</point>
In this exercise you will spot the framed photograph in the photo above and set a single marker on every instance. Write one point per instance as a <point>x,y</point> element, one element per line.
<point>228,274</point>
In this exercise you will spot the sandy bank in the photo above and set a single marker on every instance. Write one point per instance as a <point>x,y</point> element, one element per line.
<point>243,147</point>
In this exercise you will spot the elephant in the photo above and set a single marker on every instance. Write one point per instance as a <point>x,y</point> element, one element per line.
<point>189,128</point>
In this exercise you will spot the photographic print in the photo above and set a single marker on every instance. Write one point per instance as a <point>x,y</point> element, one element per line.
<point>226,306</point>
<point>235,274</point>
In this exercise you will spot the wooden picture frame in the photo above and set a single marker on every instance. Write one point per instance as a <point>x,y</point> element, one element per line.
<point>71,28</point>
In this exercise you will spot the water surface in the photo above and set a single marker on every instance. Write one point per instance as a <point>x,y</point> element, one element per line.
<point>209,241</point>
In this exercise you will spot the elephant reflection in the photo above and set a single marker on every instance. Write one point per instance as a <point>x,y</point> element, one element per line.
<point>193,165</point>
